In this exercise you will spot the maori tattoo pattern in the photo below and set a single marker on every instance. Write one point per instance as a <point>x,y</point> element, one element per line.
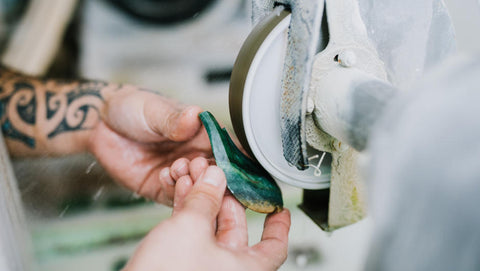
<point>23,95</point>
<point>31,107</point>
<point>73,107</point>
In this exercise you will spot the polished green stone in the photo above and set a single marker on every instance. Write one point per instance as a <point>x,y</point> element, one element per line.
<point>249,183</point>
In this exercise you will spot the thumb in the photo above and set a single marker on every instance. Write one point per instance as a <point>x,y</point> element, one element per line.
<point>205,198</point>
<point>147,117</point>
<point>170,120</point>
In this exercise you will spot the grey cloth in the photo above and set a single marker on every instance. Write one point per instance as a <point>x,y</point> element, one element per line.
<point>425,174</point>
<point>411,36</point>
<point>15,243</point>
<point>14,237</point>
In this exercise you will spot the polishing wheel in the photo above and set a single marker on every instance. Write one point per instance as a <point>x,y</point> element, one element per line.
<point>255,93</point>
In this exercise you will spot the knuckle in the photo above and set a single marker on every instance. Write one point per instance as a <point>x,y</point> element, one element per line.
<point>282,225</point>
<point>200,161</point>
<point>276,222</point>
<point>227,224</point>
<point>282,255</point>
<point>206,197</point>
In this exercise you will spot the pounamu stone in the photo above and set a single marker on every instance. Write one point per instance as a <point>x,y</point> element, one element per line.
<point>249,183</point>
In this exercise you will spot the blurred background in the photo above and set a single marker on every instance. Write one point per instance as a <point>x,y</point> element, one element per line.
<point>185,49</point>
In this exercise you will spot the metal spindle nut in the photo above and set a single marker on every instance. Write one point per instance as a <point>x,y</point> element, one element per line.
<point>347,58</point>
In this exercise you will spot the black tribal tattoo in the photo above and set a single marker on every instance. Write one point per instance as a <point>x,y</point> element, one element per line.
<point>74,118</point>
<point>25,108</point>
<point>58,106</point>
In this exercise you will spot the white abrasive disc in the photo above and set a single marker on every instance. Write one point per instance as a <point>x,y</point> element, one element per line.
<point>255,91</point>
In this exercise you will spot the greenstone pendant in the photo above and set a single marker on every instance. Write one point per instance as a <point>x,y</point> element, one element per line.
<point>249,183</point>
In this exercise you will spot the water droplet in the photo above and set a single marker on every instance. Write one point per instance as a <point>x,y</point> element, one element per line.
<point>301,260</point>
<point>90,167</point>
<point>64,211</point>
<point>98,193</point>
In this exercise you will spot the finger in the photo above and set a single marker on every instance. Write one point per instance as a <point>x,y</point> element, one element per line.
<point>150,117</point>
<point>206,196</point>
<point>167,187</point>
<point>274,243</point>
<point>197,167</point>
<point>182,188</point>
<point>179,168</point>
<point>171,122</point>
<point>232,224</point>
<point>158,186</point>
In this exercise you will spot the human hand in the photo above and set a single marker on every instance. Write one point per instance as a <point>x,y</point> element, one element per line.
<point>141,133</point>
<point>208,231</point>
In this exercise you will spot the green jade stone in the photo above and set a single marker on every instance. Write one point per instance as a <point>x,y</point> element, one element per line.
<point>249,183</point>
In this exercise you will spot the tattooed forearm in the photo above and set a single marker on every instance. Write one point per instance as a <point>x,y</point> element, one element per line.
<point>69,110</point>
<point>35,112</point>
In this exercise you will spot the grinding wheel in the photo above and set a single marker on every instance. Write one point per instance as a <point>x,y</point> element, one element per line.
<point>255,90</point>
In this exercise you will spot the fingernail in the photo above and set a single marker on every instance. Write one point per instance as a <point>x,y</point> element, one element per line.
<point>213,176</point>
<point>179,170</point>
